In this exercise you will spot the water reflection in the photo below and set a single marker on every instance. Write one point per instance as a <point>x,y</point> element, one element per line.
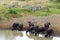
<point>2,37</point>
<point>56,38</point>
<point>25,37</point>
<point>13,35</point>
<point>19,35</point>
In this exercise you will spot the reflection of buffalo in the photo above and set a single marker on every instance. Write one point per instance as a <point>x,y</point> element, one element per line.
<point>49,32</point>
<point>17,26</point>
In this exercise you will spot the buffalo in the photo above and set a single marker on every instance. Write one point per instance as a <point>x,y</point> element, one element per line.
<point>32,29</point>
<point>15,26</point>
<point>49,32</point>
<point>42,29</point>
<point>30,24</point>
<point>20,27</point>
<point>47,24</point>
<point>39,30</point>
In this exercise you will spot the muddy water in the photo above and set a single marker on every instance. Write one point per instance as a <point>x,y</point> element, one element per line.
<point>17,35</point>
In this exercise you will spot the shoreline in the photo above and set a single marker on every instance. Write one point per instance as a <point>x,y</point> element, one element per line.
<point>55,22</point>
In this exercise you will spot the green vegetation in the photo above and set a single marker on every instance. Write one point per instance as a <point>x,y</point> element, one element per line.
<point>18,12</point>
<point>12,11</point>
<point>54,8</point>
<point>58,1</point>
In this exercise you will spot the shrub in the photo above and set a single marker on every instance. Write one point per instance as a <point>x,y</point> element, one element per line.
<point>12,11</point>
<point>58,1</point>
<point>55,1</point>
<point>58,6</point>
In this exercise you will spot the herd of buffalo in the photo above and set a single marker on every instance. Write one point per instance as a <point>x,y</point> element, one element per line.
<point>35,29</point>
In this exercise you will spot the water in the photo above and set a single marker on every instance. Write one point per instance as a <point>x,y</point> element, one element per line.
<point>56,38</point>
<point>25,37</point>
<point>19,35</point>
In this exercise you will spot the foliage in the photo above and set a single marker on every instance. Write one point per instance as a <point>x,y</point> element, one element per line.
<point>58,6</point>
<point>58,1</point>
<point>12,11</point>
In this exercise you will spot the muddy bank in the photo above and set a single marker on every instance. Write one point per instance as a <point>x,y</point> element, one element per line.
<point>54,19</point>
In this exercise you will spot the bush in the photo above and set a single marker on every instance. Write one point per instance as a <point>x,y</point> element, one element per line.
<point>58,6</point>
<point>58,1</point>
<point>55,1</point>
<point>12,11</point>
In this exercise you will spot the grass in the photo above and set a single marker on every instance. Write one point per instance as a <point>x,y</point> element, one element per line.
<point>19,12</point>
<point>58,1</point>
<point>45,13</point>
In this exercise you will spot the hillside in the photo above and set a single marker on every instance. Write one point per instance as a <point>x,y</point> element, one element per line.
<point>17,8</point>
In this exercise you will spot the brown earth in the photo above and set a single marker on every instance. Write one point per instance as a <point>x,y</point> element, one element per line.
<point>54,19</point>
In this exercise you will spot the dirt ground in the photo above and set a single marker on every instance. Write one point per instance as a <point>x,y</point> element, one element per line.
<point>54,19</point>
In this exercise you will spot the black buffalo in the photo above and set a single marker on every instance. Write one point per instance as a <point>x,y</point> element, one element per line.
<point>42,29</point>
<point>46,25</point>
<point>20,27</point>
<point>30,24</point>
<point>32,29</point>
<point>15,26</point>
<point>49,32</point>
<point>39,30</point>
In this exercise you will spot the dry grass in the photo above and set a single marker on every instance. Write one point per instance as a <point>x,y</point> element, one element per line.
<point>32,2</point>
